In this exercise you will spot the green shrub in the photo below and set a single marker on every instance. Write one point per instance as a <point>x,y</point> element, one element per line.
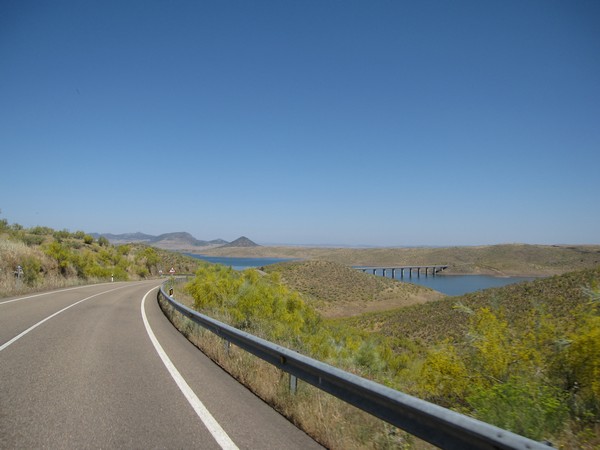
<point>62,234</point>
<point>32,268</point>
<point>525,406</point>
<point>263,306</point>
<point>530,377</point>
<point>120,274</point>
<point>41,231</point>
<point>141,271</point>
<point>32,240</point>
<point>580,365</point>
<point>124,250</point>
<point>445,377</point>
<point>80,235</point>
<point>61,254</point>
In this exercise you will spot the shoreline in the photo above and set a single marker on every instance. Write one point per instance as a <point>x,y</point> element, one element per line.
<point>505,260</point>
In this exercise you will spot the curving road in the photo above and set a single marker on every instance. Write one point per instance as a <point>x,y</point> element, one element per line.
<point>101,367</point>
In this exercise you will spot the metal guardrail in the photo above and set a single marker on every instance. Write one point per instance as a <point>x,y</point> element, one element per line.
<point>432,423</point>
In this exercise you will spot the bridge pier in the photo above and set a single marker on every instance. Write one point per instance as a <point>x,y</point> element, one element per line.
<point>384,270</point>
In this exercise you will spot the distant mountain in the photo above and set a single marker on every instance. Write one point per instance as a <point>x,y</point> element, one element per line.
<point>125,238</point>
<point>180,240</point>
<point>241,242</point>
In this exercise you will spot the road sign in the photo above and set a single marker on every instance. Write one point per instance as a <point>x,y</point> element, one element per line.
<point>172,271</point>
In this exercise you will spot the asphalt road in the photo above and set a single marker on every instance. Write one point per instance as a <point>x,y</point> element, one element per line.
<point>78,369</point>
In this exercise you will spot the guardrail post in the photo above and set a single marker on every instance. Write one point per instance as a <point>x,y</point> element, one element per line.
<point>293,384</point>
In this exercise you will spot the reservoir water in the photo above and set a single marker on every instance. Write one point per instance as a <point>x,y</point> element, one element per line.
<point>446,284</point>
<point>239,263</point>
<point>463,284</point>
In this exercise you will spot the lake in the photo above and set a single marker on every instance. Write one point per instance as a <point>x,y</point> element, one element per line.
<point>446,284</point>
<point>463,284</point>
<point>239,263</point>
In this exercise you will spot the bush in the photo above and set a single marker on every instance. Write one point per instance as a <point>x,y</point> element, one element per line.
<point>581,363</point>
<point>263,306</point>
<point>32,240</point>
<point>80,235</point>
<point>61,254</point>
<point>42,231</point>
<point>529,377</point>
<point>124,250</point>
<point>32,268</point>
<point>523,406</point>
<point>62,234</point>
<point>444,376</point>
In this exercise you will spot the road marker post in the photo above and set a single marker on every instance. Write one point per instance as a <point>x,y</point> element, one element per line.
<point>19,277</point>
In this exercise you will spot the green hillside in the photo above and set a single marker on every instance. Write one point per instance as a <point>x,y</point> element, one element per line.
<point>51,258</point>
<point>341,291</point>
<point>524,357</point>
<point>429,323</point>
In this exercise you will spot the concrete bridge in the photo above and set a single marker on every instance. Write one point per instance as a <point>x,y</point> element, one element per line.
<point>428,269</point>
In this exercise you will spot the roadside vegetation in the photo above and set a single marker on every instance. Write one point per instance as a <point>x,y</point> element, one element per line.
<point>51,259</point>
<point>264,306</point>
<point>524,357</point>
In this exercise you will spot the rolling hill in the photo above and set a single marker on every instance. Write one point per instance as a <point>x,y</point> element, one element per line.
<point>241,242</point>
<point>340,291</point>
<point>495,260</point>
<point>177,241</point>
<point>434,321</point>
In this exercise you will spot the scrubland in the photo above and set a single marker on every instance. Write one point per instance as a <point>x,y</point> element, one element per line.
<point>524,357</point>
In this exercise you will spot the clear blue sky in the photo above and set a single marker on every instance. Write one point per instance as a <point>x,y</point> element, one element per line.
<point>304,122</point>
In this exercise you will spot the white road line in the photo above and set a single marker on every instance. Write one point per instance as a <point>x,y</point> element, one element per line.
<point>48,293</point>
<point>209,421</point>
<point>16,338</point>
